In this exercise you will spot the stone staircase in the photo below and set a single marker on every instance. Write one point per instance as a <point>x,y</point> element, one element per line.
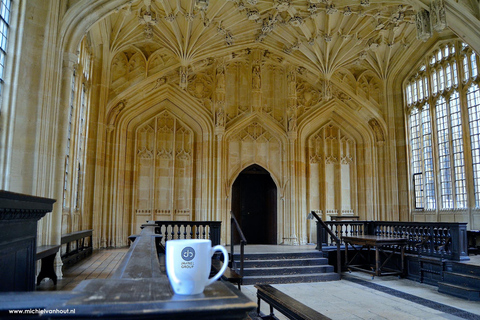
<point>463,280</point>
<point>271,268</point>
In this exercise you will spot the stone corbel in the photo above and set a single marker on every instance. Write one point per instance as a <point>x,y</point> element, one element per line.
<point>434,19</point>
<point>378,131</point>
<point>112,115</point>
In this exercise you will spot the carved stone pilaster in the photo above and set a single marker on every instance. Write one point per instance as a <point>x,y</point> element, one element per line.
<point>292,104</point>
<point>220,83</point>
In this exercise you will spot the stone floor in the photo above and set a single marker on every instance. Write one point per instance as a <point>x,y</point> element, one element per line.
<point>356,296</point>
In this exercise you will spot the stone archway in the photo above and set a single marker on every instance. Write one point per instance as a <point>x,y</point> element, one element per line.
<point>254,204</point>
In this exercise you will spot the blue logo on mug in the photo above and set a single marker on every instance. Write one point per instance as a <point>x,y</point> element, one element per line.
<point>188,253</point>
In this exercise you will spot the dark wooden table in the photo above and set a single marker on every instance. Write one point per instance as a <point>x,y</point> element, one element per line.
<point>382,245</point>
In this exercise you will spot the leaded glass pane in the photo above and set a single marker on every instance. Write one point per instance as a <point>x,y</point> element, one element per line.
<point>409,94</point>
<point>444,154</point>
<point>473,102</point>
<point>466,73</point>
<point>434,82</point>
<point>448,76</point>
<point>458,154</point>
<point>429,177</point>
<point>441,80</point>
<point>473,64</point>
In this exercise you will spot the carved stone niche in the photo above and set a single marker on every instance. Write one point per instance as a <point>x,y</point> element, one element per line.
<point>19,214</point>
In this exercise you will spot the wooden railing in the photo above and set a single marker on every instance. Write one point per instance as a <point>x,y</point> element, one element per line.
<point>333,237</point>
<point>243,242</point>
<point>415,232</point>
<point>170,230</point>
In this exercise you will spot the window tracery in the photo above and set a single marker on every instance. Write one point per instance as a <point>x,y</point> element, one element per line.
<point>439,145</point>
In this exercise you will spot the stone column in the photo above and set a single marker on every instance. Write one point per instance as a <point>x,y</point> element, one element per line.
<point>381,210</point>
<point>296,218</point>
<point>53,227</point>
<point>222,195</point>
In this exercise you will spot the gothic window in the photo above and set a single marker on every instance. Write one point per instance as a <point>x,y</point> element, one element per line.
<point>437,159</point>
<point>4,26</point>
<point>77,130</point>
<point>473,102</point>
<point>69,140</point>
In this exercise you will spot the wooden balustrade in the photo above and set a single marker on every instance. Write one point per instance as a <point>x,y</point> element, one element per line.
<point>170,230</point>
<point>416,232</point>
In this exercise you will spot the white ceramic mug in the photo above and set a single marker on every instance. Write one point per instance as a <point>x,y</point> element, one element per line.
<point>188,264</point>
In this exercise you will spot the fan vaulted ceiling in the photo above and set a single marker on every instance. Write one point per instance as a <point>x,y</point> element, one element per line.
<point>322,36</point>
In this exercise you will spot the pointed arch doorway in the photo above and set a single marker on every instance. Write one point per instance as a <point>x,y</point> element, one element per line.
<point>254,204</point>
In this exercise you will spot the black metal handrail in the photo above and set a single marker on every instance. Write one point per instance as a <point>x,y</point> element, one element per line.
<point>243,242</point>
<point>334,237</point>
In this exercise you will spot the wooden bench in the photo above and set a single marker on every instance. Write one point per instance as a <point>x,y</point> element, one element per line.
<point>229,274</point>
<point>285,304</point>
<point>47,269</point>
<point>81,248</point>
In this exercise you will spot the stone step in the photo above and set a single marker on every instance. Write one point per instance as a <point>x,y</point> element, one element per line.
<point>293,267</point>
<point>459,291</point>
<point>460,279</point>
<point>280,256</point>
<point>285,262</point>
<point>316,277</point>
<point>287,270</point>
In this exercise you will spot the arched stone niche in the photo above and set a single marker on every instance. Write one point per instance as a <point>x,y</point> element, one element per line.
<point>257,140</point>
<point>156,154</point>
<point>339,164</point>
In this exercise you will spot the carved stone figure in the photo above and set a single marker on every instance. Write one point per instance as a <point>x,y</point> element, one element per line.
<point>256,80</point>
<point>438,15</point>
<point>183,77</point>
<point>422,21</point>
<point>220,78</point>
<point>220,116</point>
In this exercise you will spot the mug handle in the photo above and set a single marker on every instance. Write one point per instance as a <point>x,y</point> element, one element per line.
<point>171,271</point>
<point>224,267</point>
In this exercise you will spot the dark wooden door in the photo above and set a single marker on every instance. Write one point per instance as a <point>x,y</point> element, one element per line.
<point>254,204</point>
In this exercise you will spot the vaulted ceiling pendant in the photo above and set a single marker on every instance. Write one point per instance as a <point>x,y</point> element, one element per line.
<point>201,4</point>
